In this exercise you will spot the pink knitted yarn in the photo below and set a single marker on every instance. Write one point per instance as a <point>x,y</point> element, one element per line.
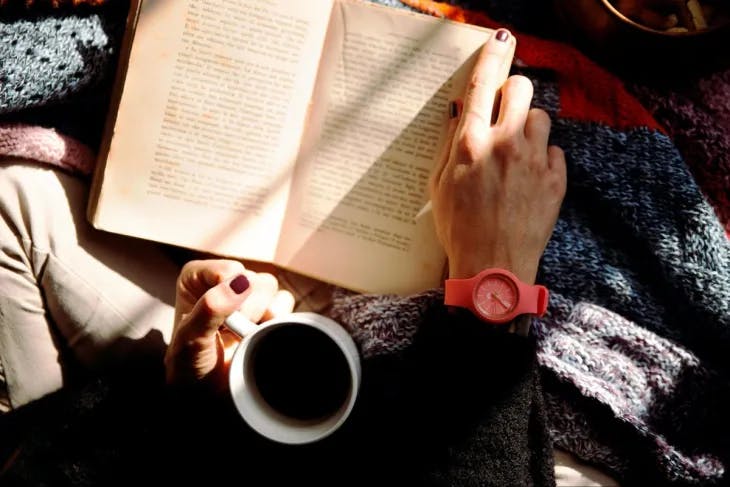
<point>47,146</point>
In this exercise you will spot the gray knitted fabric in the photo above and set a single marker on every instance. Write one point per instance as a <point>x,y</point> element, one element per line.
<point>57,67</point>
<point>56,56</point>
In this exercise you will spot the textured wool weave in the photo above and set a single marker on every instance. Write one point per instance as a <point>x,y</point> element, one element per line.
<point>634,343</point>
<point>633,346</point>
<point>45,145</point>
<point>697,117</point>
<point>57,66</point>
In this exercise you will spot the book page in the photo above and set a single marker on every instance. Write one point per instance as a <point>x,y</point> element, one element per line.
<point>209,122</point>
<point>376,131</point>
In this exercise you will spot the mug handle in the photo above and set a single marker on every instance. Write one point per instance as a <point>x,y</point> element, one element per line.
<point>240,325</point>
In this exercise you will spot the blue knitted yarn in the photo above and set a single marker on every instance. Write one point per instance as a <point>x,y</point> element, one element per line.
<point>637,236</point>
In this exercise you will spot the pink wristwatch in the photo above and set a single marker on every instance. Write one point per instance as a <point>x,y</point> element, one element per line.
<point>496,296</point>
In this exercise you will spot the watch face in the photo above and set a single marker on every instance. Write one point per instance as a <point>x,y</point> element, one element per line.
<point>495,296</point>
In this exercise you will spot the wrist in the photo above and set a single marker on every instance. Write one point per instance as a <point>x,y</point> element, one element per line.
<point>465,269</point>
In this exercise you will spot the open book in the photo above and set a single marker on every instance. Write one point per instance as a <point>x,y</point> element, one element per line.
<point>298,133</point>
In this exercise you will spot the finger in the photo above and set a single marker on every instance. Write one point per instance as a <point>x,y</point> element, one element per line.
<point>557,167</point>
<point>537,127</point>
<point>503,75</point>
<point>264,287</point>
<point>515,104</point>
<point>556,161</point>
<point>489,73</point>
<point>208,272</point>
<point>281,304</point>
<point>214,306</point>
<point>198,276</point>
<point>454,112</point>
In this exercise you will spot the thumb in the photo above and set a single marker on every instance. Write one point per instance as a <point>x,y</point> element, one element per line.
<point>211,310</point>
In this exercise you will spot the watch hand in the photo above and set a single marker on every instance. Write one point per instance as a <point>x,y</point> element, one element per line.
<point>500,301</point>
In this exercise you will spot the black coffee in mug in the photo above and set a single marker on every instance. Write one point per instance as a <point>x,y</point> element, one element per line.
<point>301,372</point>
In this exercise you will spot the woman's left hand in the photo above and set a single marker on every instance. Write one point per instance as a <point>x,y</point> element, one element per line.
<point>207,292</point>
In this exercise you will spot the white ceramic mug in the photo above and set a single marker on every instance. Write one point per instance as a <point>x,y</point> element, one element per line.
<point>246,385</point>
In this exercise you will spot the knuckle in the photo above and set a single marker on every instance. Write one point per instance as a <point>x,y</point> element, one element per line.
<point>468,147</point>
<point>475,82</point>
<point>539,160</point>
<point>207,306</point>
<point>506,148</point>
<point>479,78</point>
<point>189,267</point>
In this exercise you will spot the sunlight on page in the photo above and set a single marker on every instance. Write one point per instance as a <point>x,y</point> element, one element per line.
<point>210,152</point>
<point>215,103</point>
<point>384,86</point>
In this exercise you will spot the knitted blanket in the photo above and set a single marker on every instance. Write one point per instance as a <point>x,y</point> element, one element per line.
<point>633,346</point>
<point>632,349</point>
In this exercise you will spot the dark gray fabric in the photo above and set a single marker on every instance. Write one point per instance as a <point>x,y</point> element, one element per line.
<point>461,406</point>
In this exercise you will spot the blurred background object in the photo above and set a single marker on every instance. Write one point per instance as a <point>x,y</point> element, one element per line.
<point>650,35</point>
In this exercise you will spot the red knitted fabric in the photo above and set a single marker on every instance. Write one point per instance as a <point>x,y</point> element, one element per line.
<point>587,91</point>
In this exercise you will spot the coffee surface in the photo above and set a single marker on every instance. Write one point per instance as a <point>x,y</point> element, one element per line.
<point>301,372</point>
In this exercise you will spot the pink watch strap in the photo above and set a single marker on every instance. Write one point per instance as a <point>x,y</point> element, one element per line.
<point>533,299</point>
<point>459,292</point>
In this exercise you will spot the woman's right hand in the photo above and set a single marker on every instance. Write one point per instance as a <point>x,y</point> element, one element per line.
<point>207,292</point>
<point>497,191</point>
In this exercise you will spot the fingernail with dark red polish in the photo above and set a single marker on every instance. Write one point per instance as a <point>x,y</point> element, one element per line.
<point>502,35</point>
<point>239,284</point>
<point>453,109</point>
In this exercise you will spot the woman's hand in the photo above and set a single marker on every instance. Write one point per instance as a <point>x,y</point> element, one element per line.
<point>207,292</point>
<point>497,191</point>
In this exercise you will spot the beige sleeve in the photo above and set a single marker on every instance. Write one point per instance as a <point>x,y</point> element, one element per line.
<point>68,291</point>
